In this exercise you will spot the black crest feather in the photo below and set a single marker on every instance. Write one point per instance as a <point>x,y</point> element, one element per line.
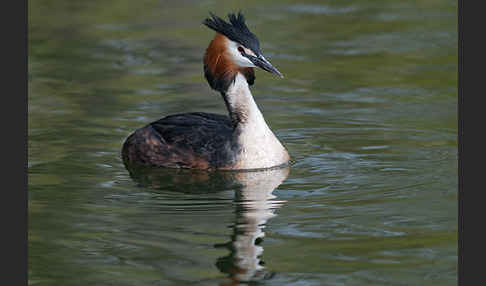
<point>236,30</point>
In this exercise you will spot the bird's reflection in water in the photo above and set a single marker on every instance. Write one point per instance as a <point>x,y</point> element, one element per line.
<point>254,203</point>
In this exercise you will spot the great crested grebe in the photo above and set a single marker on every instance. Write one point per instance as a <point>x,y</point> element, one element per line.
<point>211,141</point>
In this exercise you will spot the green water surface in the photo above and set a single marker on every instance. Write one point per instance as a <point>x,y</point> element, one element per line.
<point>367,110</point>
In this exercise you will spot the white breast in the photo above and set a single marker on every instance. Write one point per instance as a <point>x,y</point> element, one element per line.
<point>260,148</point>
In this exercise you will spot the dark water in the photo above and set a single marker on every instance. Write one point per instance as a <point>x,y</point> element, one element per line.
<point>367,109</point>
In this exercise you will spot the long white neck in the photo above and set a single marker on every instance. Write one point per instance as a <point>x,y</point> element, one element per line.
<point>259,146</point>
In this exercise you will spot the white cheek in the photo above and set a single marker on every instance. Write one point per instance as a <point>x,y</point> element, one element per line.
<point>242,61</point>
<point>238,59</point>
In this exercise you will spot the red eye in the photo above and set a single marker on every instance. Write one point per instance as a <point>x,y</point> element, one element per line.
<point>240,49</point>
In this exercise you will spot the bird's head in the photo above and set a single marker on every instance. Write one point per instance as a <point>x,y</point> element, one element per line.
<point>233,49</point>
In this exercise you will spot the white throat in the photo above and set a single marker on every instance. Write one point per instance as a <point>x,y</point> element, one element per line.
<point>260,148</point>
